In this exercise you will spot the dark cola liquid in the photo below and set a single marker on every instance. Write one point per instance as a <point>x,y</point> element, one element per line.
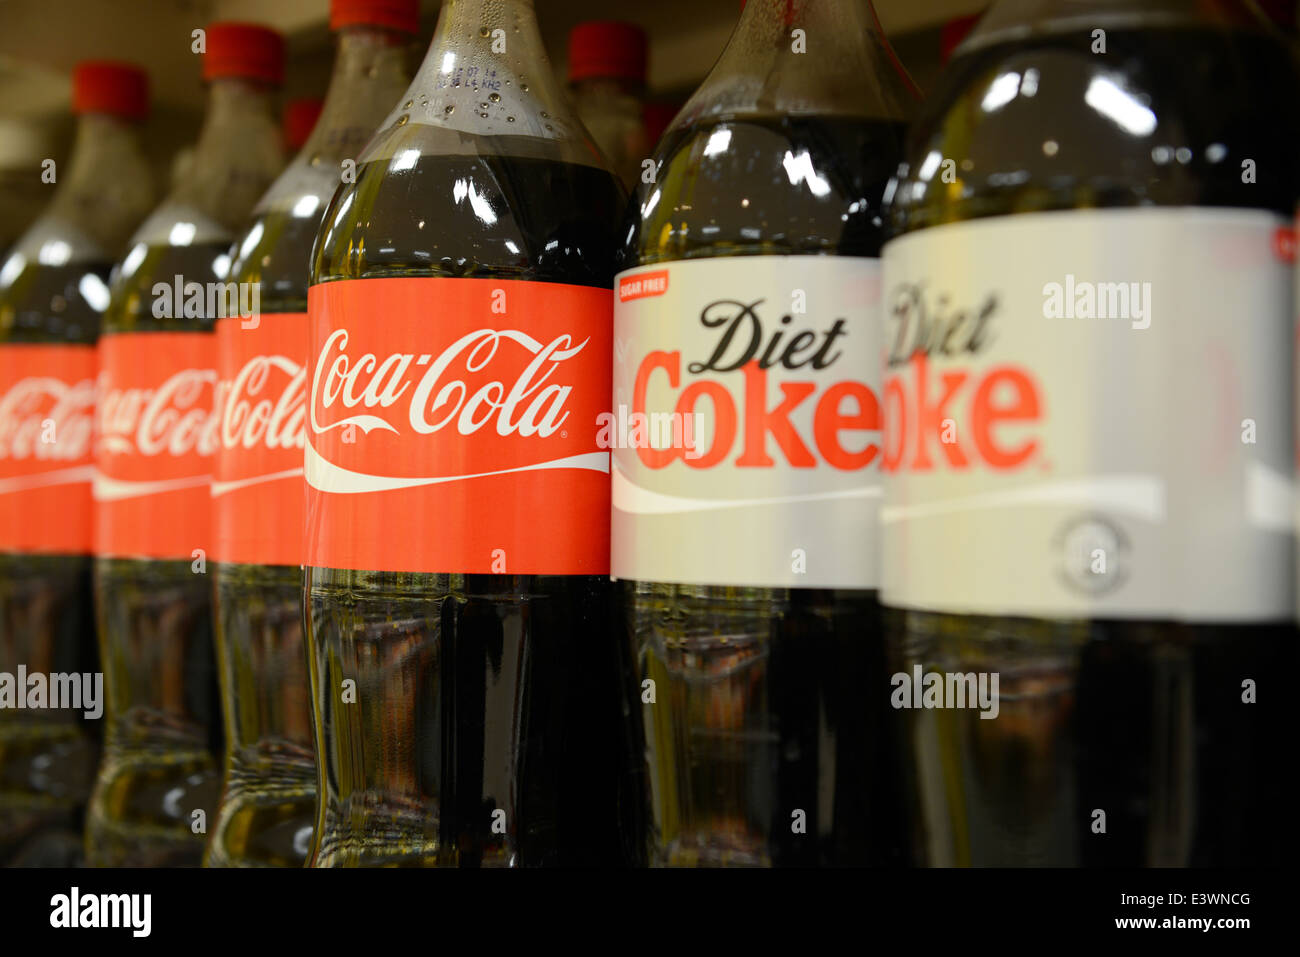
<point>268,805</point>
<point>154,619</point>
<point>768,698</point>
<point>473,692</point>
<point>47,757</point>
<point>1144,720</point>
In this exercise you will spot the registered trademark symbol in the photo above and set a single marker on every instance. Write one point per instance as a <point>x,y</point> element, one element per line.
<point>564,434</point>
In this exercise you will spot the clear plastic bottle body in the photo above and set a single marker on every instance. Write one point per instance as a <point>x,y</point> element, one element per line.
<point>153,617</point>
<point>268,804</point>
<point>472,692</point>
<point>760,710</point>
<point>52,292</point>
<point>1134,717</point>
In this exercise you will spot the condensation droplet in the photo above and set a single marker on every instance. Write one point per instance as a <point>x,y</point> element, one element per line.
<point>510,119</point>
<point>483,31</point>
<point>408,104</point>
<point>449,109</point>
<point>483,106</point>
<point>545,115</point>
<point>495,97</point>
<point>524,87</point>
<point>401,120</point>
<point>484,115</point>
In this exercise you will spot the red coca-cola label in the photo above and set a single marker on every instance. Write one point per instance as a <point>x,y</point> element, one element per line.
<point>258,497</point>
<point>156,437</point>
<point>452,426</point>
<point>47,406</point>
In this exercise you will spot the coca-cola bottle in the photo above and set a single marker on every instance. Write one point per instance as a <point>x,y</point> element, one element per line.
<point>268,806</point>
<point>158,782</point>
<point>607,73</point>
<point>53,288</point>
<point>745,486</point>
<point>1088,449</point>
<point>466,711</point>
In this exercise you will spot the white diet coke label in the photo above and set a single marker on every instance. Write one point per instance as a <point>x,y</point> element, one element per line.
<point>1087,414</point>
<point>745,429</point>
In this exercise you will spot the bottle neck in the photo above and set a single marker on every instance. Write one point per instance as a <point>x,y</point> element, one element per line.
<point>461,19</point>
<point>477,40</point>
<point>487,73</point>
<point>371,71</point>
<point>1010,20</point>
<point>485,86</point>
<point>107,188</point>
<point>805,57</point>
<point>237,155</point>
<point>235,108</point>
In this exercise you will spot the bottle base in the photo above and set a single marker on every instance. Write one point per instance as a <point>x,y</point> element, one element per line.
<point>267,812</point>
<point>151,810</point>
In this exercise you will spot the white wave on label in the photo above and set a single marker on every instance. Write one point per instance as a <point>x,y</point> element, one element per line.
<point>327,477</point>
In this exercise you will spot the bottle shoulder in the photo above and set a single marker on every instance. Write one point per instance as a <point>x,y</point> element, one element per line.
<point>161,287</point>
<point>1164,117</point>
<point>52,304</point>
<point>274,251</point>
<point>765,185</point>
<point>473,214</point>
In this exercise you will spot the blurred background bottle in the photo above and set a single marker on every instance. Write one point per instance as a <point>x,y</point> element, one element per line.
<point>268,805</point>
<point>1105,534</point>
<point>53,289</point>
<point>607,74</point>
<point>22,194</point>
<point>158,784</point>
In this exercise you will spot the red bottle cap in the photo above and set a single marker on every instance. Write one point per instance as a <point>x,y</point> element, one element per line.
<point>244,50</point>
<point>954,31</point>
<point>604,48</point>
<point>655,117</point>
<point>401,15</point>
<point>107,86</point>
<point>1281,12</point>
<point>300,118</point>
